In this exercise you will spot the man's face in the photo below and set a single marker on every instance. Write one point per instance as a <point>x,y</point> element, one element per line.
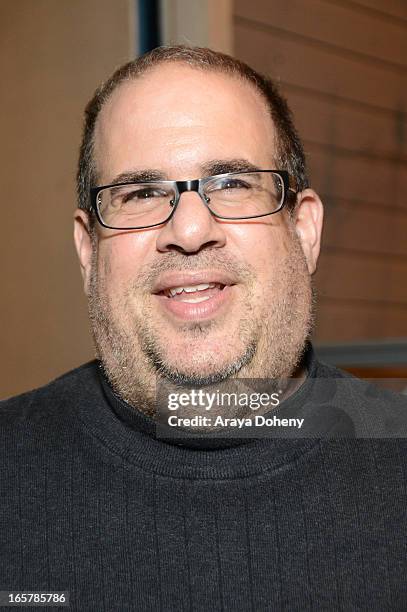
<point>185,123</point>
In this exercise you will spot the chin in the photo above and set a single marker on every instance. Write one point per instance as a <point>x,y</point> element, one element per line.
<point>204,351</point>
<point>203,367</point>
<point>197,370</point>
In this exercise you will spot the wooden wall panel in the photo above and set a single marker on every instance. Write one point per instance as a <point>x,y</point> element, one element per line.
<point>377,181</point>
<point>319,69</point>
<point>386,9</point>
<point>362,276</point>
<point>347,126</point>
<point>342,67</point>
<point>318,21</point>
<point>359,320</point>
<point>357,226</point>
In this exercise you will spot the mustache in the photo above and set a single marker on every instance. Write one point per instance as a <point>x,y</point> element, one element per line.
<point>208,259</point>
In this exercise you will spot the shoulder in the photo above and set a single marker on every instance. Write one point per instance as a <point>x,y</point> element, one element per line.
<point>48,400</point>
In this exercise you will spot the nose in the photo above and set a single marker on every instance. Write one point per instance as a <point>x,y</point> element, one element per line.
<point>191,228</point>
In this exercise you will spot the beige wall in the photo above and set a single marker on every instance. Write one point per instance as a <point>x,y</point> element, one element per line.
<point>204,23</point>
<point>53,54</point>
<point>343,67</point>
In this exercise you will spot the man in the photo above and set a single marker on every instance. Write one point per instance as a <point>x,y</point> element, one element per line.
<point>197,236</point>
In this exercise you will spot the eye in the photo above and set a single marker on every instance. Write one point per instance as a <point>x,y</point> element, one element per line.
<point>144,193</point>
<point>232,183</point>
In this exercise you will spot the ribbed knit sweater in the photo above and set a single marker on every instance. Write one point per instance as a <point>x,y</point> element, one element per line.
<point>93,503</point>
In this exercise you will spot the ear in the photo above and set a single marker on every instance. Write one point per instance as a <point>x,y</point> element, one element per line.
<point>309,216</point>
<point>83,244</point>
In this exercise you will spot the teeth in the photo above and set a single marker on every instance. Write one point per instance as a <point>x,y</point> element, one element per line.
<point>198,287</point>
<point>195,300</point>
<point>191,288</point>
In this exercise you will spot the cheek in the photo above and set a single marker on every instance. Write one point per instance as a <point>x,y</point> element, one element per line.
<point>120,257</point>
<point>263,246</point>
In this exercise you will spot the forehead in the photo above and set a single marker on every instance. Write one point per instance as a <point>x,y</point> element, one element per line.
<point>176,117</point>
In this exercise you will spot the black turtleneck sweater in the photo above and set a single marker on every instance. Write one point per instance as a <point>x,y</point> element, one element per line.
<point>91,502</point>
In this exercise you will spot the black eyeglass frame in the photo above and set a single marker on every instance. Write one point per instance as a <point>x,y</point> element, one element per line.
<point>196,185</point>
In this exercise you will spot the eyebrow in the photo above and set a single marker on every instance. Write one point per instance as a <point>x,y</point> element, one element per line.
<point>136,176</point>
<point>221,166</point>
<point>212,167</point>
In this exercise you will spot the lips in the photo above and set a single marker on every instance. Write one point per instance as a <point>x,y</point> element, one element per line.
<point>203,287</point>
<point>192,296</point>
<point>171,284</point>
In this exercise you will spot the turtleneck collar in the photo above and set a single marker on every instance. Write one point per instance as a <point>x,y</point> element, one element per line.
<point>136,419</point>
<point>131,435</point>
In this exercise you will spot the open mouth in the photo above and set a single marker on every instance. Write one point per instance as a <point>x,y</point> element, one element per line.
<point>193,294</point>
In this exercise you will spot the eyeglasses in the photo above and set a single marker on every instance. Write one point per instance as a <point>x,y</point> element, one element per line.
<point>234,196</point>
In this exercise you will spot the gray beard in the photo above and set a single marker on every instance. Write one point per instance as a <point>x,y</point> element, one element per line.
<point>274,343</point>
